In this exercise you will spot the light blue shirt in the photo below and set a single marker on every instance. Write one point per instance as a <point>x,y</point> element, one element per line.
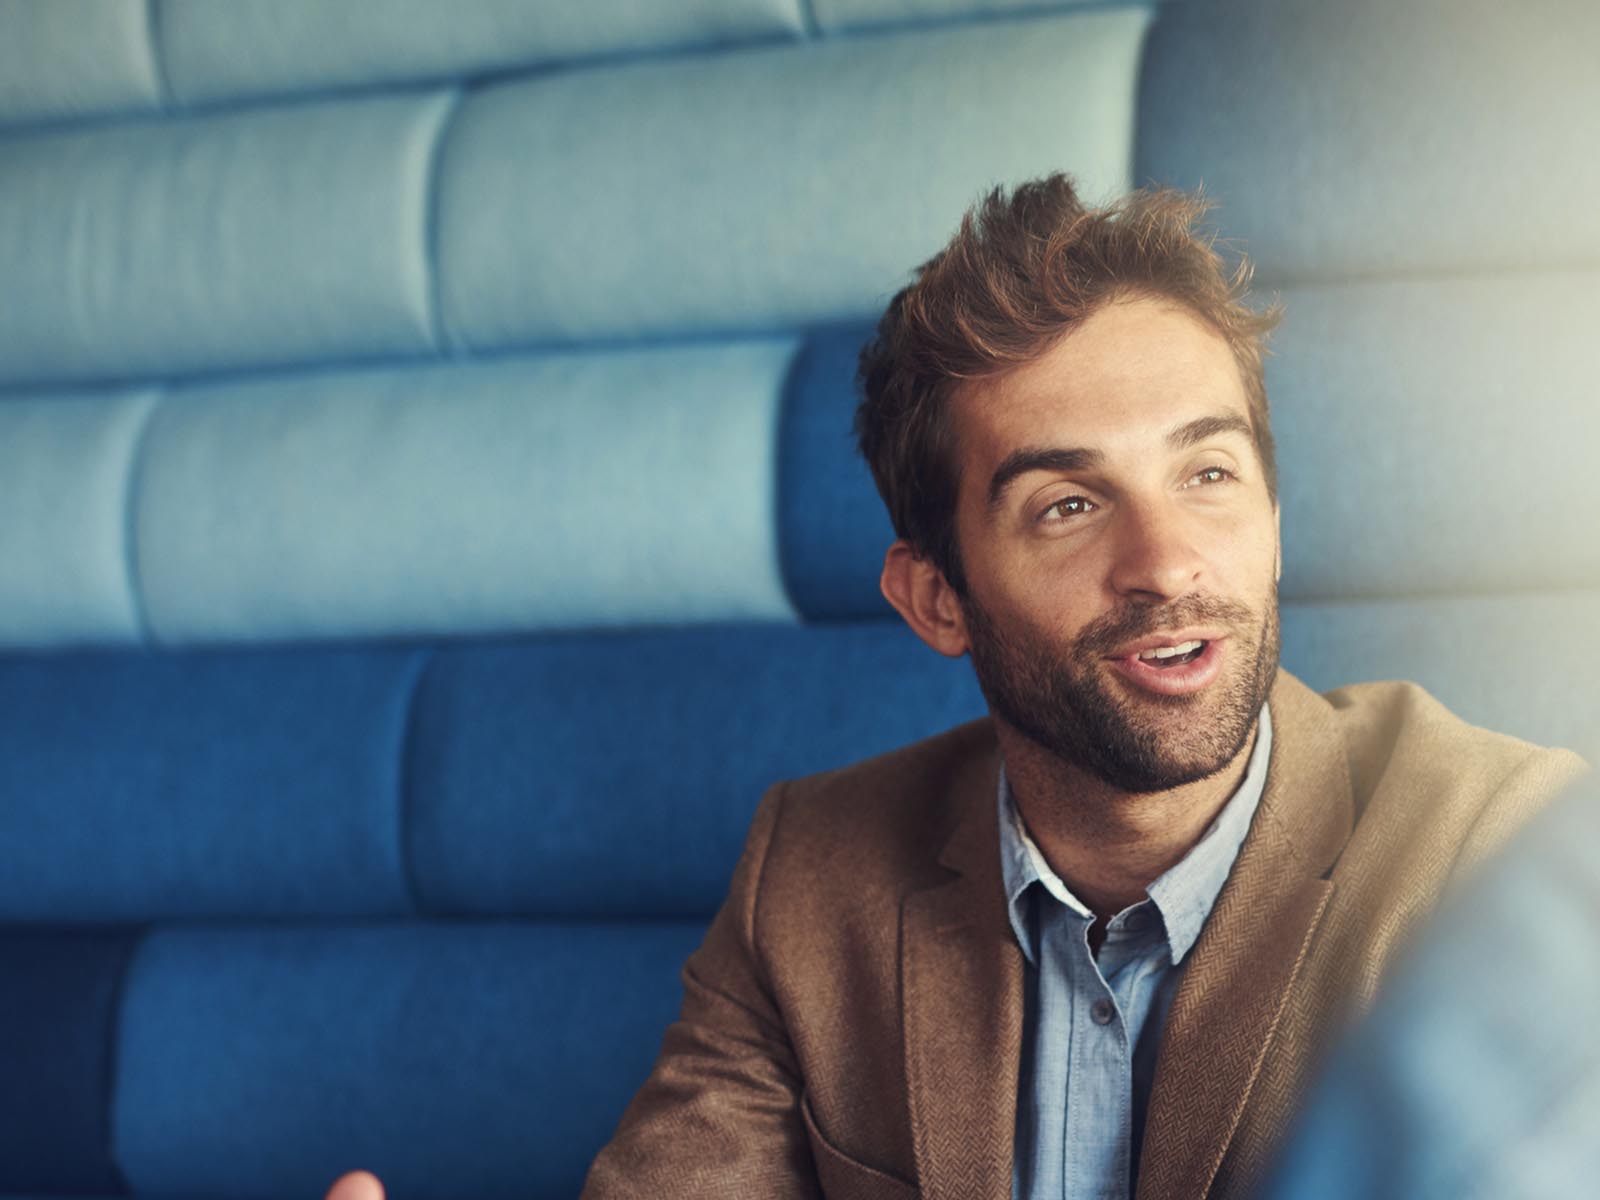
<point>1091,1027</point>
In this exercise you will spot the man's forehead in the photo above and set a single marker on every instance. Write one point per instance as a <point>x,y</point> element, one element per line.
<point>1138,368</point>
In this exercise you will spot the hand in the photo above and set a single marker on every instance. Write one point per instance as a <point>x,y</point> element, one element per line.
<point>357,1185</point>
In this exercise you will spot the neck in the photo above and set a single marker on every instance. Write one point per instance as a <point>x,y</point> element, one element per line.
<point>1108,845</point>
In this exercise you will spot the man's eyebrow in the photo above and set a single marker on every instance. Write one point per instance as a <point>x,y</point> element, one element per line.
<point>1039,458</point>
<point>1198,430</point>
<point>1080,458</point>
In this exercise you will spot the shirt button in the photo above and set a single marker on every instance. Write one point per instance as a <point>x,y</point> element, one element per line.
<point>1137,921</point>
<point>1101,1012</point>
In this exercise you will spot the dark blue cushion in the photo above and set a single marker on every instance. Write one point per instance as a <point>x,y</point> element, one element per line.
<point>58,1011</point>
<point>832,526</point>
<point>616,774</point>
<point>483,1060</point>
<point>144,785</point>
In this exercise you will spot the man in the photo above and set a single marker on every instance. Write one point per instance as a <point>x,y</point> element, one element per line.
<point>1084,947</point>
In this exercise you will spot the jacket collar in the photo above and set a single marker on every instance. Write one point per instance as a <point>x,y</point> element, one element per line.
<point>961,988</point>
<point>1236,985</point>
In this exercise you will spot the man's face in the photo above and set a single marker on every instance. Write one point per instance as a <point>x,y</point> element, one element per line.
<point>1121,549</point>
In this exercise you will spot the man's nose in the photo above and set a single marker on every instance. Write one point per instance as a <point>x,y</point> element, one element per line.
<point>1156,554</point>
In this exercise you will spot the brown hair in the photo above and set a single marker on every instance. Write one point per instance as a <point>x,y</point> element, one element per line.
<point>1022,270</point>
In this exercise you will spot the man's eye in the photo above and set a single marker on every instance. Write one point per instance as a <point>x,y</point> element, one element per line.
<point>1067,506</point>
<point>1209,475</point>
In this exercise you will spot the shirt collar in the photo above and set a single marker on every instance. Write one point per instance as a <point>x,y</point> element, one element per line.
<point>1183,894</point>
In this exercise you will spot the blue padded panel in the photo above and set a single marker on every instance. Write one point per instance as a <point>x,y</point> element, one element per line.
<point>837,16</point>
<point>70,58</point>
<point>1438,436</point>
<point>66,470</point>
<point>574,490</point>
<point>1522,664</point>
<point>765,188</point>
<point>58,1010</point>
<point>617,774</point>
<point>258,47</point>
<point>269,236</point>
<point>1371,137</point>
<point>453,1060</point>
<point>140,786</point>
<point>833,526</point>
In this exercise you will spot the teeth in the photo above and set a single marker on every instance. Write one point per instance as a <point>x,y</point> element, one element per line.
<point>1170,651</point>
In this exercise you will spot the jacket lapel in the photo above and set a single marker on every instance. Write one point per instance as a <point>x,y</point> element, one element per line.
<point>1237,980</point>
<point>961,987</point>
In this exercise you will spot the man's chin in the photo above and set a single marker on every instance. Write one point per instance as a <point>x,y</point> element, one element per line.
<point>1142,741</point>
<point>1132,725</point>
<point>1162,772</point>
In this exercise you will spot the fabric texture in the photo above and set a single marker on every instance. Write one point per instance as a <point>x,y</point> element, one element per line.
<point>852,1024</point>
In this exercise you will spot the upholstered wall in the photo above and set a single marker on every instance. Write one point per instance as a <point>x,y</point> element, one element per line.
<point>490,356</point>
<point>428,516</point>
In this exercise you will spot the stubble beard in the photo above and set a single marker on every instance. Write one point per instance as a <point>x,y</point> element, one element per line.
<point>1068,703</point>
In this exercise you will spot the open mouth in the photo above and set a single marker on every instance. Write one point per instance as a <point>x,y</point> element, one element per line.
<point>1179,668</point>
<point>1173,656</point>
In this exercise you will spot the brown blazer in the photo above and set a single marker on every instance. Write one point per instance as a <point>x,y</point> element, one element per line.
<point>851,1025</point>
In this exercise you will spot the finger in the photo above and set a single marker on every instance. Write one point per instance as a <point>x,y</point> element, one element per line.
<point>357,1185</point>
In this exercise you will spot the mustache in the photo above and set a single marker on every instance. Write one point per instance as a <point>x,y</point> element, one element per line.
<point>1121,625</point>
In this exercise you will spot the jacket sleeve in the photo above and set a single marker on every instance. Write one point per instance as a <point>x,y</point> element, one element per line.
<point>720,1113</point>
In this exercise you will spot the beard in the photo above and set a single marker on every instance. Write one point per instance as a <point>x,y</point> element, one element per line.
<point>1066,701</point>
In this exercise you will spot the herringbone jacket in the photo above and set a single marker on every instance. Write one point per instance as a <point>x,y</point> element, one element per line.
<point>852,1023</point>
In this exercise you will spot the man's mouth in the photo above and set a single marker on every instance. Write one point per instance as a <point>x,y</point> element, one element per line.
<point>1175,655</point>
<point>1179,664</point>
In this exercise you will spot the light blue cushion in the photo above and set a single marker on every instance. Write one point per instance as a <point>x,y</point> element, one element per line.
<point>574,490</point>
<point>259,237</point>
<point>454,1060</point>
<point>71,58</point>
<point>1438,436</point>
<point>765,188</point>
<point>1370,137</point>
<point>838,16</point>
<point>259,47</point>
<point>68,464</point>
<point>1524,664</point>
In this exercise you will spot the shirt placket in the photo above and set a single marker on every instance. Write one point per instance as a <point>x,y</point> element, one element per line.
<point>1098,1100</point>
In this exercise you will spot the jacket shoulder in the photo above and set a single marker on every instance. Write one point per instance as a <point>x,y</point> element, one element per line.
<point>1415,763</point>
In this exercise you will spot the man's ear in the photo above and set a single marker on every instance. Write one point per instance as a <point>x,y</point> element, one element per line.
<point>921,594</point>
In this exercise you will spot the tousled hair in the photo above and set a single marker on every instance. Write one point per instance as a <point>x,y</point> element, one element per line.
<point>1024,268</point>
